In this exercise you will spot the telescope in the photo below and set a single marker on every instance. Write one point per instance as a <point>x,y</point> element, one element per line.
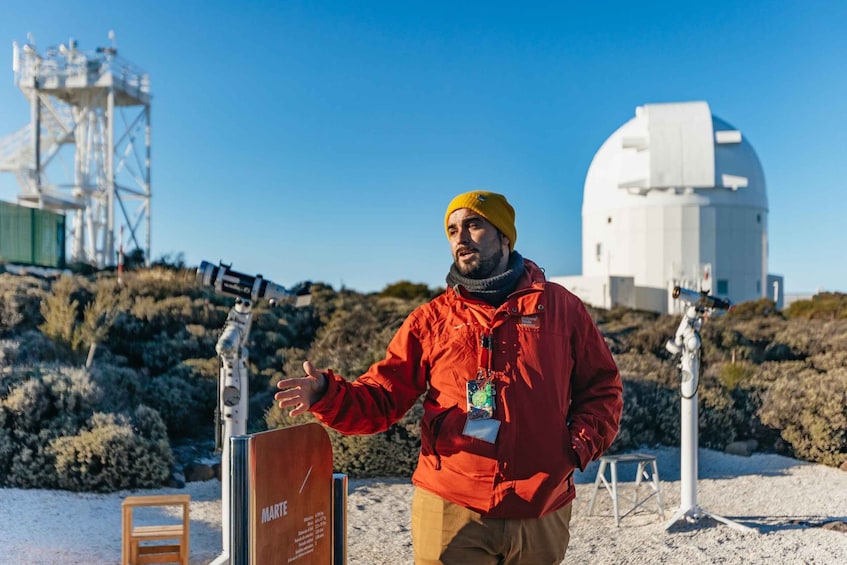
<point>224,280</point>
<point>687,341</point>
<point>701,299</point>
<point>233,382</point>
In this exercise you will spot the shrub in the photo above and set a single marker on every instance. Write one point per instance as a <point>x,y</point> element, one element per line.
<point>125,386</point>
<point>37,406</point>
<point>392,453</point>
<point>7,451</point>
<point>160,352</point>
<point>60,312</point>
<point>731,375</point>
<point>810,409</point>
<point>31,348</point>
<point>822,306</point>
<point>52,440</point>
<point>650,337</point>
<point>356,335</point>
<point>110,455</point>
<point>20,297</point>
<point>754,309</point>
<point>77,317</point>
<point>718,419</point>
<point>55,398</point>
<point>184,398</point>
<point>664,372</point>
<point>407,290</point>
<point>650,415</point>
<point>162,282</point>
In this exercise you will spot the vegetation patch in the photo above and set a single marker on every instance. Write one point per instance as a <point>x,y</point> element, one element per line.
<point>99,379</point>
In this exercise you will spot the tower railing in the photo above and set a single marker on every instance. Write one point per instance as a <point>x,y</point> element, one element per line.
<point>57,66</point>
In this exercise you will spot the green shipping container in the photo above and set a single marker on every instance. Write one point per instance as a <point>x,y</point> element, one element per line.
<point>31,237</point>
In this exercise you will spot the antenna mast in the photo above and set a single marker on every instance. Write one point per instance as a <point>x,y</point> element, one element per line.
<point>86,150</point>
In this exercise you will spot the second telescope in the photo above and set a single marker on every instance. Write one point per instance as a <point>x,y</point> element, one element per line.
<point>701,299</point>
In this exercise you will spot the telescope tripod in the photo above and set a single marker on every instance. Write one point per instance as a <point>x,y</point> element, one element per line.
<point>687,341</point>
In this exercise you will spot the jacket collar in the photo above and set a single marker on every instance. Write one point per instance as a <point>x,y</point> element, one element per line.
<point>533,276</point>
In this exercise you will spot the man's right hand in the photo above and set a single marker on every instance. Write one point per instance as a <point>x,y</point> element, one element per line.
<point>301,393</point>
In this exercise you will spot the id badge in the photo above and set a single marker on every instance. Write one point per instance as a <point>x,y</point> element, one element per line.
<point>480,423</point>
<point>480,394</point>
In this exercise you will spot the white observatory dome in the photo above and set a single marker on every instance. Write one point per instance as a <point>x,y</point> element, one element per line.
<point>677,196</point>
<point>667,152</point>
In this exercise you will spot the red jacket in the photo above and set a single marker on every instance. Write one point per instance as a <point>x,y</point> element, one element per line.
<point>558,396</point>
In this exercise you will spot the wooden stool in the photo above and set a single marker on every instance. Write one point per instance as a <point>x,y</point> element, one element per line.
<point>652,478</point>
<point>132,550</point>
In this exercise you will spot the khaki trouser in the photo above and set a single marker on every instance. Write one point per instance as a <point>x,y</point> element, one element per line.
<point>445,533</point>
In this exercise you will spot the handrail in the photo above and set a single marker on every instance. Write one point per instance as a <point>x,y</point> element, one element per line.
<point>30,66</point>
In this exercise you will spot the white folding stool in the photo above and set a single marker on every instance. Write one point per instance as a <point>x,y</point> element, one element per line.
<point>651,474</point>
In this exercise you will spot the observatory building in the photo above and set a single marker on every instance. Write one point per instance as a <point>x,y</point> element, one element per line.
<point>675,196</point>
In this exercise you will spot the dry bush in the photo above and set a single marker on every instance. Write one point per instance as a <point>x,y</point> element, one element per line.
<point>37,406</point>
<point>718,418</point>
<point>407,290</point>
<point>392,453</point>
<point>20,297</point>
<point>648,337</point>
<point>356,336</point>
<point>640,367</point>
<point>114,453</point>
<point>356,333</point>
<point>61,312</point>
<point>52,441</point>
<point>161,283</point>
<point>650,415</point>
<point>822,306</point>
<point>31,348</point>
<point>810,410</point>
<point>184,397</point>
<point>161,351</point>
<point>754,309</point>
<point>79,313</point>
<point>731,375</point>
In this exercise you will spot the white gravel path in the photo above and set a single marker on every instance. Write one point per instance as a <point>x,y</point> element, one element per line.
<point>798,512</point>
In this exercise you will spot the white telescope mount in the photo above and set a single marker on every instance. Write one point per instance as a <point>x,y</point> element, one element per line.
<point>233,381</point>
<point>688,342</point>
<point>233,397</point>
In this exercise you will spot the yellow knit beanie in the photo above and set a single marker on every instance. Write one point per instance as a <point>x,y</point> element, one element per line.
<point>491,206</point>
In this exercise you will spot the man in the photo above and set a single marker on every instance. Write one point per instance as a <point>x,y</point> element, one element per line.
<point>520,389</point>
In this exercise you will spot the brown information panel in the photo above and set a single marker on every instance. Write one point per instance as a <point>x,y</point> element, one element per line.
<point>291,496</point>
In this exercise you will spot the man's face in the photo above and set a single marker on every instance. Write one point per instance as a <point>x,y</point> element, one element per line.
<point>479,250</point>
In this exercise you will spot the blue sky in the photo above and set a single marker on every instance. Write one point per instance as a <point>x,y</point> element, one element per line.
<point>322,141</point>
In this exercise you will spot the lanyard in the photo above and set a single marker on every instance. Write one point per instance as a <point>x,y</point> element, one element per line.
<point>486,352</point>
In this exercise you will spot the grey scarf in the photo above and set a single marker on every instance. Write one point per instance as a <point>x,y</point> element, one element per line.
<point>493,290</point>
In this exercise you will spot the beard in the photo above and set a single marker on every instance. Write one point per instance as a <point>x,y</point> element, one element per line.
<point>482,269</point>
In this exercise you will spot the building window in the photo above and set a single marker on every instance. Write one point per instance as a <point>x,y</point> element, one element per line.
<point>758,287</point>
<point>609,220</point>
<point>723,287</point>
<point>599,251</point>
<point>758,218</point>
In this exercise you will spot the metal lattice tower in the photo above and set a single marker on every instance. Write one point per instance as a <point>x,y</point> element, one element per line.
<point>86,150</point>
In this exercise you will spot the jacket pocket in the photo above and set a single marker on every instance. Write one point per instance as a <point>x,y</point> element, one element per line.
<point>430,428</point>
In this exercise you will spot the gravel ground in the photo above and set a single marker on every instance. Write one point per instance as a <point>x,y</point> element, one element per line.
<point>798,513</point>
